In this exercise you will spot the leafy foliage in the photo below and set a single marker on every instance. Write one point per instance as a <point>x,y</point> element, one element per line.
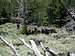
<point>40,12</point>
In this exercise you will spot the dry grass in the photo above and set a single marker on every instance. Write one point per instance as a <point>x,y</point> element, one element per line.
<point>62,41</point>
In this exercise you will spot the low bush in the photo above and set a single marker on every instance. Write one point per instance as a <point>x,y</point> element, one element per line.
<point>4,20</point>
<point>23,30</point>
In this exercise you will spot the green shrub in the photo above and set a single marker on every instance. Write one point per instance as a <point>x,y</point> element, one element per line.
<point>23,30</point>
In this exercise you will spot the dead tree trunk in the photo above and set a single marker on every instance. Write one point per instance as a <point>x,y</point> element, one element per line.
<point>46,50</point>
<point>33,47</point>
<point>10,45</point>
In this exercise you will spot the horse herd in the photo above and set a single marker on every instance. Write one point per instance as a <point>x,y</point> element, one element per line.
<point>42,29</point>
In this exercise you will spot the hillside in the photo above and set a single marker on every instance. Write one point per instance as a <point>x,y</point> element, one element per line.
<point>62,41</point>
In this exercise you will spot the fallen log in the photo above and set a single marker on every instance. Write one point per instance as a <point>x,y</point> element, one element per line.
<point>51,52</point>
<point>45,52</point>
<point>26,43</point>
<point>10,45</point>
<point>33,47</point>
<point>46,49</point>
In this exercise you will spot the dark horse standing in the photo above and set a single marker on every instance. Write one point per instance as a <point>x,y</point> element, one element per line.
<point>18,22</point>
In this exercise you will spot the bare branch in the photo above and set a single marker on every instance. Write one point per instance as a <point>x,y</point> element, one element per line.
<point>42,46</point>
<point>45,52</point>
<point>10,45</point>
<point>51,51</point>
<point>26,43</point>
<point>34,47</point>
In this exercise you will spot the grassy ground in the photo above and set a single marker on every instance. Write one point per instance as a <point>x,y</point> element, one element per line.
<point>62,41</point>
